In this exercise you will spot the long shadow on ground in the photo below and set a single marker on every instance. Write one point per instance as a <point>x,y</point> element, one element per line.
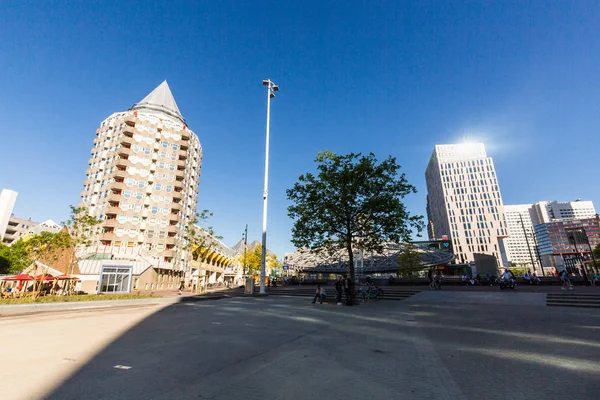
<point>280,348</point>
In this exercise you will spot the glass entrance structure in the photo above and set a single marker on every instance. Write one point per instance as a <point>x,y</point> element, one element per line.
<point>115,279</point>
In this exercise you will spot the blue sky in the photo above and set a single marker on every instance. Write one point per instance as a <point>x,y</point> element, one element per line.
<point>391,77</point>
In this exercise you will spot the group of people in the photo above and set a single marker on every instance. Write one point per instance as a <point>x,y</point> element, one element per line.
<point>532,279</point>
<point>343,285</point>
<point>469,280</point>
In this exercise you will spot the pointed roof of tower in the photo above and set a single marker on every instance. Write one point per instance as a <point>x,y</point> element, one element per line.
<point>160,99</point>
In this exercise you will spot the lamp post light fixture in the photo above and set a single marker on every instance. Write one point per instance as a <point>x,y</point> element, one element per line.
<point>271,89</point>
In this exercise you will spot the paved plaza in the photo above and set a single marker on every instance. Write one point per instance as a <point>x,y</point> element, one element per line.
<point>431,346</point>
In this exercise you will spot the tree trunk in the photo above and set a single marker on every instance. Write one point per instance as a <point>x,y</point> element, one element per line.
<point>350,259</point>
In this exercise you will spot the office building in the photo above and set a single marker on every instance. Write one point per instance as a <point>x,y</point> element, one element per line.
<point>567,243</point>
<point>547,211</point>
<point>464,200</point>
<point>520,245</point>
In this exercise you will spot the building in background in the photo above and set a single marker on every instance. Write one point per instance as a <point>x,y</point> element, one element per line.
<point>567,243</point>
<point>520,245</point>
<point>8,199</point>
<point>547,211</point>
<point>19,227</point>
<point>142,183</point>
<point>464,200</point>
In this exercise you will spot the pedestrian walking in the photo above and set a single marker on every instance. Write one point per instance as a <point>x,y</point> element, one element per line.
<point>319,294</point>
<point>339,287</point>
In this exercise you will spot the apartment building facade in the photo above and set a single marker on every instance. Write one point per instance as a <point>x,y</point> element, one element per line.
<point>19,227</point>
<point>142,182</point>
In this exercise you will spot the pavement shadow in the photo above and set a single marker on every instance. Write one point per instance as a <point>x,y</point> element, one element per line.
<point>283,348</point>
<point>212,349</point>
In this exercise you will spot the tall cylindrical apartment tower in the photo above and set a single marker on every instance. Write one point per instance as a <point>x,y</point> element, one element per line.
<point>142,182</point>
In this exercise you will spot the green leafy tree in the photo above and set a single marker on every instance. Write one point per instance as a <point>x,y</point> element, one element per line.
<point>81,227</point>
<point>596,251</point>
<point>18,256</point>
<point>353,201</point>
<point>5,260</point>
<point>409,260</point>
<point>15,258</point>
<point>201,240</point>
<point>275,263</point>
<point>45,248</point>
<point>254,260</point>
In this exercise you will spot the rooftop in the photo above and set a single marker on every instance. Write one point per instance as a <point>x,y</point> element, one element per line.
<point>160,100</point>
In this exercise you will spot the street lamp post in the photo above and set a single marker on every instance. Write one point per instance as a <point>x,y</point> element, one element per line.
<point>587,238</point>
<point>527,240</point>
<point>245,236</point>
<point>537,252</point>
<point>572,237</point>
<point>271,89</point>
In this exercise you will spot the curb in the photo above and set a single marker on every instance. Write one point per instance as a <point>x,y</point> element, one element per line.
<point>25,309</point>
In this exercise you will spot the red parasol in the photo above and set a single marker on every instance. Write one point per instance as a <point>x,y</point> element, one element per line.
<point>45,277</point>
<point>22,277</point>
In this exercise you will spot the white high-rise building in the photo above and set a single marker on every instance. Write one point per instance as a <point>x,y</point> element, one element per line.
<point>546,211</point>
<point>464,200</point>
<point>520,245</point>
<point>142,181</point>
<point>7,203</point>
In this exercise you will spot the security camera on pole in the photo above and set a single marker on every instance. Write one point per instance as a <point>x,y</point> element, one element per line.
<point>271,89</point>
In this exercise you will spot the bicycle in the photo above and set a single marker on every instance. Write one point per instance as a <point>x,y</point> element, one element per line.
<point>370,293</point>
<point>436,283</point>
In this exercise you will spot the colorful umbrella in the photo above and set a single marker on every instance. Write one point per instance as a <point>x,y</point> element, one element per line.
<point>45,277</point>
<point>22,277</point>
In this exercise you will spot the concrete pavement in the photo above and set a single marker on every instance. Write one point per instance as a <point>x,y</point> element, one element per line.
<point>287,348</point>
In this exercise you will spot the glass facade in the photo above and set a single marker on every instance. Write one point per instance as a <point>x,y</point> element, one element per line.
<point>557,237</point>
<point>115,279</point>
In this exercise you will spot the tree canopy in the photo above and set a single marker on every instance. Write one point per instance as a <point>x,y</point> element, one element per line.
<point>409,260</point>
<point>14,259</point>
<point>596,251</point>
<point>201,241</point>
<point>82,227</point>
<point>353,201</point>
<point>253,259</point>
<point>44,247</point>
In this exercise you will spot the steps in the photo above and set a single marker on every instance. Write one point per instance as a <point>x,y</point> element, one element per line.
<point>571,299</point>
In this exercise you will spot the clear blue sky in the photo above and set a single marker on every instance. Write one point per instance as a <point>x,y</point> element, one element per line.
<point>391,77</point>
